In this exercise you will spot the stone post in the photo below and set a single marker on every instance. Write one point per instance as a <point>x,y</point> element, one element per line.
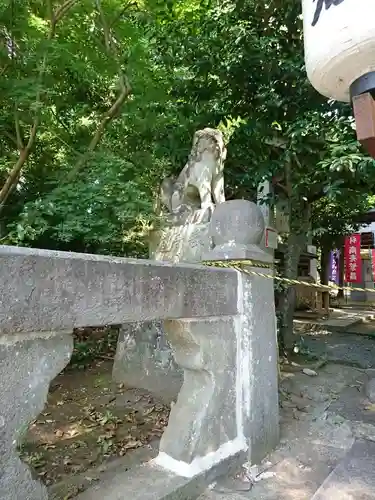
<point>28,363</point>
<point>228,404</point>
<point>237,229</point>
<point>203,428</point>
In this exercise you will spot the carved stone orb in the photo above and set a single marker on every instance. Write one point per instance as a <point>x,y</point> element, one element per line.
<point>236,229</point>
<point>238,221</point>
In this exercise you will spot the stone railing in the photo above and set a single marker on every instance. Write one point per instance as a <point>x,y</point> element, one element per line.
<point>220,323</point>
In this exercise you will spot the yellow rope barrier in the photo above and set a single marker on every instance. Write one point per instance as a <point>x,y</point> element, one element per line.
<point>239,265</point>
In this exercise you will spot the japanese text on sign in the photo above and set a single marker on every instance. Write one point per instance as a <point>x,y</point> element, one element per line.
<point>334,267</point>
<point>353,263</point>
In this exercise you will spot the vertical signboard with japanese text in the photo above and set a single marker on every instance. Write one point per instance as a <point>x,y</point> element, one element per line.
<point>353,263</point>
<point>334,267</point>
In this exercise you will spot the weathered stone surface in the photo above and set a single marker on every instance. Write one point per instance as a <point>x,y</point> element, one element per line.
<point>185,243</point>
<point>260,365</point>
<point>27,366</point>
<point>354,477</point>
<point>45,290</point>
<point>144,357</point>
<point>201,181</point>
<point>144,360</point>
<point>204,419</point>
<point>236,228</point>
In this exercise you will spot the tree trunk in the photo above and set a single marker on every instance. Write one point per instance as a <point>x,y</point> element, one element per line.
<point>297,241</point>
<point>288,300</point>
<point>324,260</point>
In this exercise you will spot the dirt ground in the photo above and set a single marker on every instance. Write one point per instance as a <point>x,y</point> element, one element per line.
<point>90,425</point>
<point>88,420</point>
<point>320,417</point>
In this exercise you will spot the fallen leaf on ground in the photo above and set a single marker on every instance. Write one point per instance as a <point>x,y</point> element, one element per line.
<point>149,411</point>
<point>288,404</point>
<point>310,373</point>
<point>130,445</point>
<point>302,408</point>
<point>265,475</point>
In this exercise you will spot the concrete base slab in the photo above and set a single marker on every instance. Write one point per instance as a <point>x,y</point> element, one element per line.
<point>150,482</point>
<point>354,477</point>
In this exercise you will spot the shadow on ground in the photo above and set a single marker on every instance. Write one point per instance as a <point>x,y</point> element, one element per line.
<point>87,423</point>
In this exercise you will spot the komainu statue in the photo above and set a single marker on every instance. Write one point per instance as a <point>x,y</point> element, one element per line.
<point>200,184</point>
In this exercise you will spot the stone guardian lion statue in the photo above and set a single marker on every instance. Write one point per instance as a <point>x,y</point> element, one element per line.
<point>200,184</point>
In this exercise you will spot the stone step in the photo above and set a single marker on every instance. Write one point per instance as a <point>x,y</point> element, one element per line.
<point>354,476</point>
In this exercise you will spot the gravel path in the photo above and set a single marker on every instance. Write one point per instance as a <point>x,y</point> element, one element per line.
<point>345,348</point>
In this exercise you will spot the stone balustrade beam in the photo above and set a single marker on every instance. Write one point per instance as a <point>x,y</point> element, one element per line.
<point>43,290</point>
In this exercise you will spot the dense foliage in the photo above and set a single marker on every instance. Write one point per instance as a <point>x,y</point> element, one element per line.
<point>100,100</point>
<point>85,118</point>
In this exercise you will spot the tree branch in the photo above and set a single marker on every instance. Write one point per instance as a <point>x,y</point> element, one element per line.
<point>14,175</point>
<point>123,10</point>
<point>107,118</point>
<point>3,69</point>
<point>19,141</point>
<point>60,13</point>
<point>125,92</point>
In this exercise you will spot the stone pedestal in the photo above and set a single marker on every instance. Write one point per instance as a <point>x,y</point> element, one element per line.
<point>28,363</point>
<point>203,422</point>
<point>181,243</point>
<point>144,358</point>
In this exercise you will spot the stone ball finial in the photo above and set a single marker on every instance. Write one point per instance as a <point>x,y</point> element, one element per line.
<point>237,228</point>
<point>237,221</point>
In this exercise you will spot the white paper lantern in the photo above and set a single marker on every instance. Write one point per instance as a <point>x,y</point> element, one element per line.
<point>340,46</point>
